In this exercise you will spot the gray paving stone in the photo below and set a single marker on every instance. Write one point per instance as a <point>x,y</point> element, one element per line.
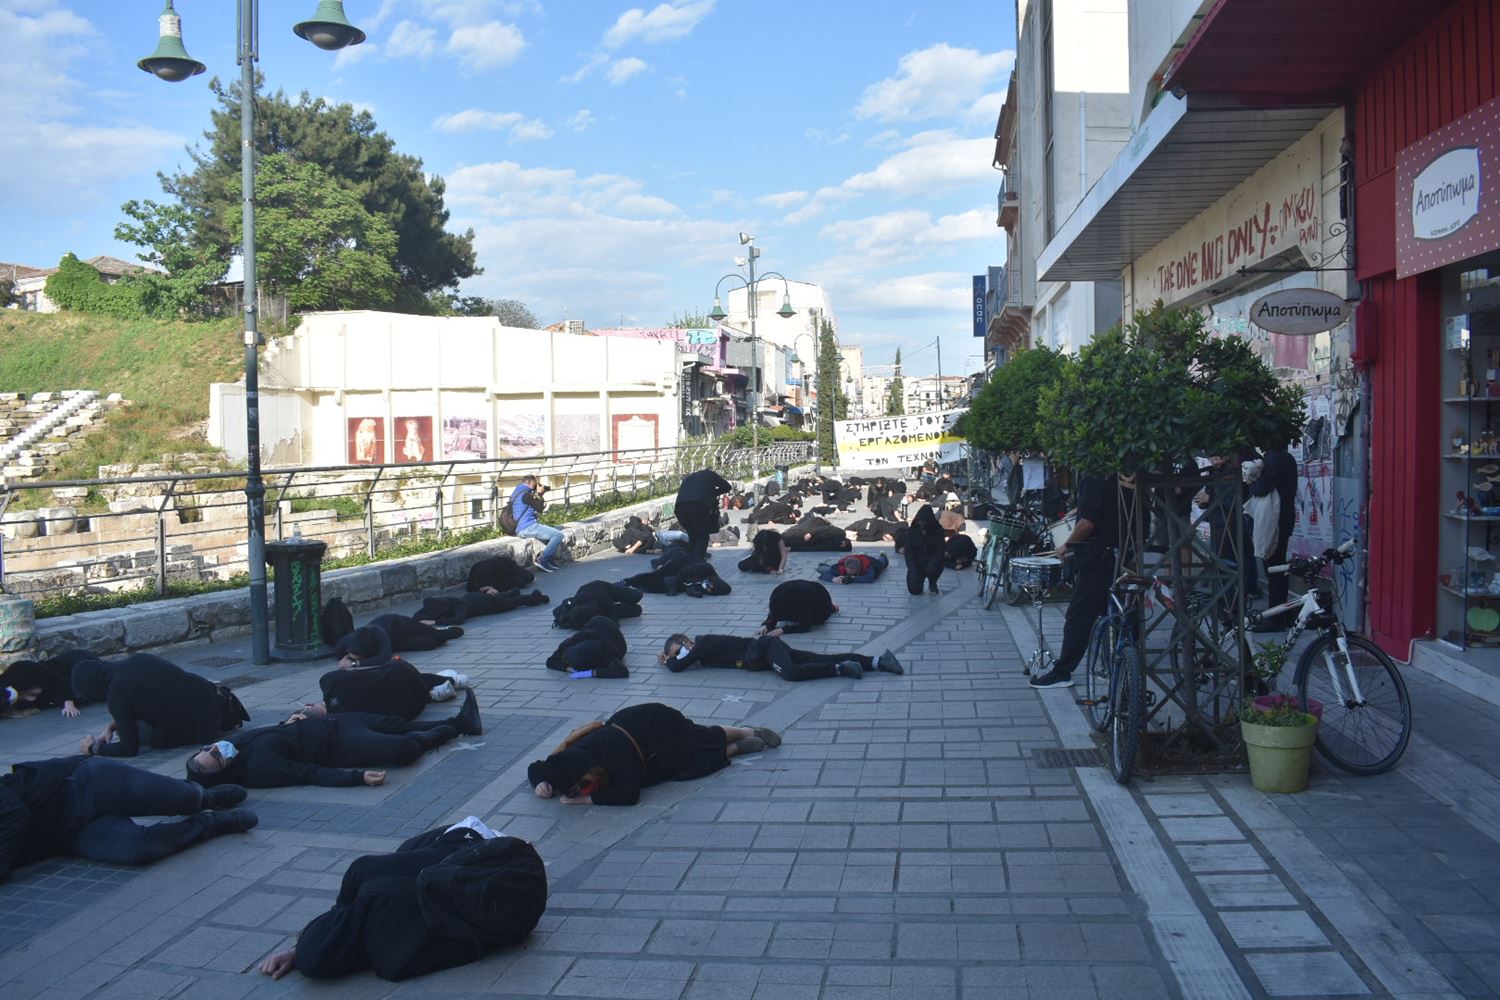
<point>1307,974</point>
<point>1246,890</point>
<point>1273,929</point>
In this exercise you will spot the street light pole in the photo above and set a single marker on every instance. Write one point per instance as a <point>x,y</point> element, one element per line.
<point>754,357</point>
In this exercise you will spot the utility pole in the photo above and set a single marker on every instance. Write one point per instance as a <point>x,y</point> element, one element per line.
<point>939,341</point>
<point>754,363</point>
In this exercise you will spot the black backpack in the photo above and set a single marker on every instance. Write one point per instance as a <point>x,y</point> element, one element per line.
<point>493,892</point>
<point>574,614</point>
<point>338,621</point>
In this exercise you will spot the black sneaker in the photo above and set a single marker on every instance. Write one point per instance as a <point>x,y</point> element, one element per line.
<point>431,739</point>
<point>452,632</point>
<point>932,589</point>
<point>229,821</point>
<point>850,668</point>
<point>889,664</point>
<point>1053,678</point>
<point>224,796</point>
<point>467,721</point>
<point>534,598</point>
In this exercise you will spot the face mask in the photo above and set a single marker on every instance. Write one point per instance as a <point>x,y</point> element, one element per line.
<point>682,652</point>
<point>227,750</point>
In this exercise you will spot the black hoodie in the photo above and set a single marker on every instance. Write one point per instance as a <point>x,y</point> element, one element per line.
<point>293,753</point>
<point>798,605</point>
<point>181,708</point>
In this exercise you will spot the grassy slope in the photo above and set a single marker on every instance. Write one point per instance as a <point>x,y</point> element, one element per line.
<point>163,368</point>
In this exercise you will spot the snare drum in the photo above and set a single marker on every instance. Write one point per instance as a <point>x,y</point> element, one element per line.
<point>1036,573</point>
<point>1061,530</point>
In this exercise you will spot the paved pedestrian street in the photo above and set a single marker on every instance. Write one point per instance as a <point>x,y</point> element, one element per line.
<point>915,837</point>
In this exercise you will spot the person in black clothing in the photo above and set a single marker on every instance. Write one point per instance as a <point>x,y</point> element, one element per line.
<point>680,571</point>
<point>856,568</point>
<point>768,553</point>
<point>154,702</point>
<point>445,612</point>
<point>924,552</point>
<point>596,650</point>
<point>334,751</point>
<point>86,806</point>
<point>395,688</point>
<point>608,763</point>
<point>959,551</point>
<point>766,652</point>
<point>385,635</point>
<point>498,573</point>
<point>813,534</point>
<point>1090,552</point>
<point>1278,475</point>
<point>395,913</point>
<point>697,507</point>
<point>44,683</point>
<point>797,606</point>
<point>874,529</point>
<point>773,512</point>
<point>636,536</point>
<point>601,597</point>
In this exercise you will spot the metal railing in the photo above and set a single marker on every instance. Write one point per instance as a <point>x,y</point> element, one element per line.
<point>150,531</point>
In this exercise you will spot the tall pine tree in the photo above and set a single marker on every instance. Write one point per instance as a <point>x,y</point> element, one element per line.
<point>895,400</point>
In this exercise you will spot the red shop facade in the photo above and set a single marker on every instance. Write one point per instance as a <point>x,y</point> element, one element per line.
<point>1426,124</point>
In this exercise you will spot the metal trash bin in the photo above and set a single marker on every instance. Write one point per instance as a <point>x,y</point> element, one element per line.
<point>298,566</point>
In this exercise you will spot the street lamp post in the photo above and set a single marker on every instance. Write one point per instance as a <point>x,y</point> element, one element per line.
<point>785,312</point>
<point>328,29</point>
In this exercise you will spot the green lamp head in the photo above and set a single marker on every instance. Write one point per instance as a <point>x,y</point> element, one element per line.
<point>718,315</point>
<point>786,311</point>
<point>329,28</point>
<point>170,61</point>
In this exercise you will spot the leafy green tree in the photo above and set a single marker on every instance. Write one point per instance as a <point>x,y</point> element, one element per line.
<point>315,243</point>
<point>832,404</point>
<point>7,290</point>
<point>690,321</point>
<point>1003,414</point>
<point>76,286</point>
<point>359,158</point>
<point>895,400</point>
<point>166,232</point>
<point>514,312</point>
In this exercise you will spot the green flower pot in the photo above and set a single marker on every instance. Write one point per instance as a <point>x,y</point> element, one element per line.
<point>1280,756</point>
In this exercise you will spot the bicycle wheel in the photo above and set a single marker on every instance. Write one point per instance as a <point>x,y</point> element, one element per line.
<point>994,573</point>
<point>1096,666</point>
<point>979,570</point>
<point>1127,698</point>
<point>1366,736</point>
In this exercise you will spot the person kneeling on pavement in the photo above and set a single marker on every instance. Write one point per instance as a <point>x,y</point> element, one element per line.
<point>769,652</point>
<point>798,606</point>
<point>444,898</point>
<point>86,807</point>
<point>335,751</point>
<point>153,702</point>
<point>608,763</point>
<point>598,650</point>
<point>768,553</point>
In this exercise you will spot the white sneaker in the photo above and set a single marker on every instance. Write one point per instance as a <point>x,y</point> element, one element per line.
<point>443,692</point>
<point>459,680</point>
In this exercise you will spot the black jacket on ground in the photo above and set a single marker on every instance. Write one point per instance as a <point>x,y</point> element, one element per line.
<point>825,536</point>
<point>395,688</point>
<point>181,708</point>
<point>773,512</point>
<point>498,572</point>
<point>874,529</point>
<point>35,811</point>
<point>798,605</point>
<point>959,551</point>
<point>704,486</point>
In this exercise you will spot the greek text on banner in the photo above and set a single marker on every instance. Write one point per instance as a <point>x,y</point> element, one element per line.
<point>898,442</point>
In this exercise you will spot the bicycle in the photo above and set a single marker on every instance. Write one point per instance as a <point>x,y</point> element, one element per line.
<point>1115,694</point>
<point>993,565</point>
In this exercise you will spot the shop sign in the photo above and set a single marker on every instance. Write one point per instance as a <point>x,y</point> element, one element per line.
<point>1446,204</point>
<point>1299,312</point>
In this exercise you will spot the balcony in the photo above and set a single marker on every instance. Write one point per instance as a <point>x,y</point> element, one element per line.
<point>1010,320</point>
<point>1009,200</point>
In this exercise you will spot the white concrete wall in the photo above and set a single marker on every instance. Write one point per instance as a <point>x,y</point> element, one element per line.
<point>1158,31</point>
<point>805,296</point>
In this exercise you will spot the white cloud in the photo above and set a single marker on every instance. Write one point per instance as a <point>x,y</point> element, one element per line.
<point>582,121</point>
<point>826,137</point>
<point>783,199</point>
<point>531,131</point>
<point>889,139</point>
<point>664,23</point>
<point>625,69</point>
<point>474,120</point>
<point>486,46</point>
<point>987,108</point>
<point>595,61</point>
<point>381,15</point>
<point>897,234</point>
<point>410,40</point>
<point>78,158</point>
<point>942,162</point>
<point>934,82</point>
<point>351,54</point>
<point>465,12</point>
<point>940,291</point>
<point>822,200</point>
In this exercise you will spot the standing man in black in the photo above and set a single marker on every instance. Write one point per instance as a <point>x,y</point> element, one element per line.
<point>1090,550</point>
<point>1279,474</point>
<point>698,507</point>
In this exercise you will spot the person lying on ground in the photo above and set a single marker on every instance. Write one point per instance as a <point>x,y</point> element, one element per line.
<point>385,635</point>
<point>924,551</point>
<point>959,552</point>
<point>499,573</point>
<point>813,534</point>
<point>597,597</point>
<point>767,652</point>
<point>768,553</point>
<point>48,683</point>
<point>86,807</point>
<point>873,529</point>
<point>773,512</point>
<point>596,650</point>
<point>154,702</point>
<point>636,536</point>
<point>395,688</point>
<point>798,606</point>
<point>727,537</point>
<point>680,571</point>
<point>445,612</point>
<point>334,751</point>
<point>857,568</point>
<point>608,763</point>
<point>442,899</point>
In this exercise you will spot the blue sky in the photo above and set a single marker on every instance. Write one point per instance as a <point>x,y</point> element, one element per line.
<point>605,154</point>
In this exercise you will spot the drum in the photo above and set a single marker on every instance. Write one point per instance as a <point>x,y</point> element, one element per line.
<point>1060,530</point>
<point>1036,573</point>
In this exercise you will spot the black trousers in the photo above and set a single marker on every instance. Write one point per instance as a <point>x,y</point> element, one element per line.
<point>366,740</point>
<point>923,567</point>
<point>1092,572</point>
<point>699,520</point>
<point>798,664</point>
<point>103,797</point>
<point>1278,584</point>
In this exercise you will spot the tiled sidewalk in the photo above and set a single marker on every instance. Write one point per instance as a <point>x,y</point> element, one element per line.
<point>905,841</point>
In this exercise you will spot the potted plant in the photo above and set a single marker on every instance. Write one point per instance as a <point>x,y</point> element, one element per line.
<point>1279,742</point>
<point>1266,663</point>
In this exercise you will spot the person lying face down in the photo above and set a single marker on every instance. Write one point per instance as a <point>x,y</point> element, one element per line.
<point>395,688</point>
<point>498,573</point>
<point>797,606</point>
<point>154,702</point>
<point>813,534</point>
<point>86,807</point>
<point>442,899</point>
<point>608,763</point>
<point>857,568</point>
<point>768,553</point>
<point>679,570</point>
<point>766,652</point>
<point>874,529</point>
<point>597,650</point>
<point>385,635</point>
<point>770,511</point>
<point>334,751</point>
<point>445,612</point>
<point>45,683</point>
<point>959,552</point>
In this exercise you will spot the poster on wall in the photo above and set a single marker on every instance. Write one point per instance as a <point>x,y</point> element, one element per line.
<point>576,433</point>
<point>634,431</point>
<point>466,437</point>
<point>366,440</point>
<point>413,440</point>
<point>522,435</point>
